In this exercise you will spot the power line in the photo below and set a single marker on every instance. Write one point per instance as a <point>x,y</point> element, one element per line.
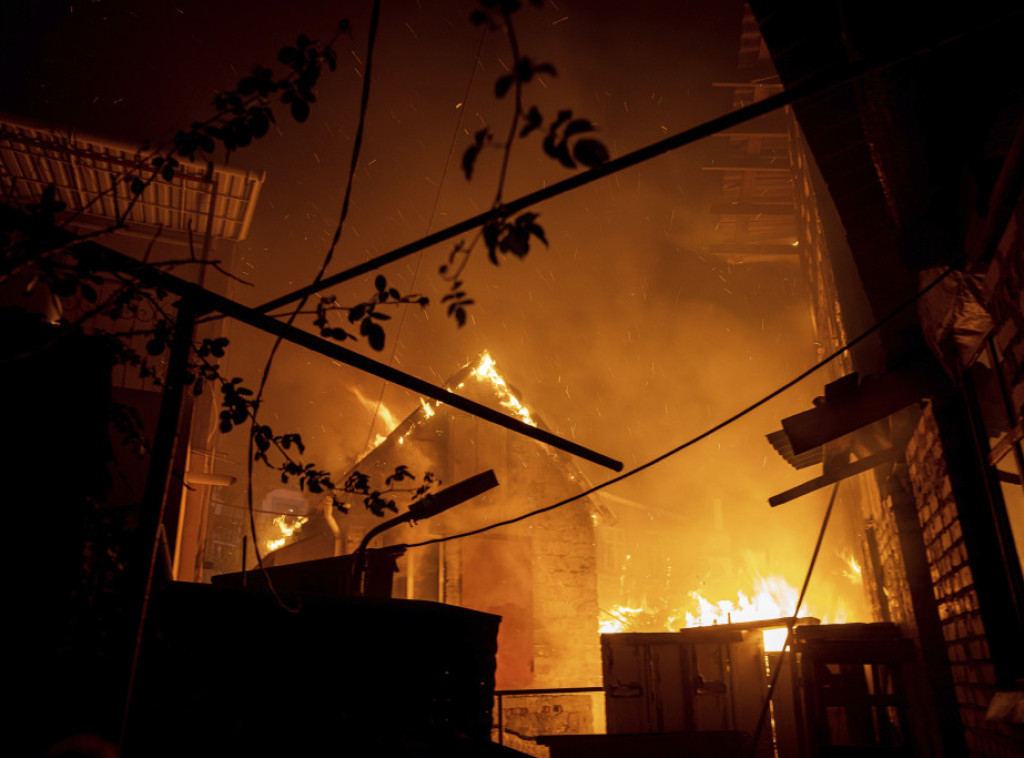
<point>706,433</point>
<point>430,222</point>
<point>733,118</point>
<point>815,84</point>
<point>767,702</point>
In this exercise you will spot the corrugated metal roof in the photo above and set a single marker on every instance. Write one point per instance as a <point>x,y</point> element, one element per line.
<point>784,447</point>
<point>90,178</point>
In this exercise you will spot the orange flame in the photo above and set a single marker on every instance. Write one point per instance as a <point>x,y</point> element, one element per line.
<point>854,571</point>
<point>287,525</point>
<point>773,598</point>
<point>485,371</point>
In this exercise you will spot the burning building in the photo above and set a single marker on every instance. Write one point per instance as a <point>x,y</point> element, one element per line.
<point>894,183</point>
<point>539,575</point>
<point>921,155</point>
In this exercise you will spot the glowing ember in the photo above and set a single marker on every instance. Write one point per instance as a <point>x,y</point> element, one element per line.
<point>287,525</point>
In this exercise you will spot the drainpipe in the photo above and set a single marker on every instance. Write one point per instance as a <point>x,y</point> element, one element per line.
<point>332,523</point>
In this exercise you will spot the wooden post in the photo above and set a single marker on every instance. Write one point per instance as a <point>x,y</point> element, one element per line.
<point>161,459</point>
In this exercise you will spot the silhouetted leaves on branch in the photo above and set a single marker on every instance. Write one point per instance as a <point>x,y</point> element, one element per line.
<point>245,113</point>
<point>524,71</point>
<point>242,115</point>
<point>457,301</point>
<point>563,143</point>
<point>379,501</point>
<point>366,314</point>
<point>590,152</point>
<point>481,138</point>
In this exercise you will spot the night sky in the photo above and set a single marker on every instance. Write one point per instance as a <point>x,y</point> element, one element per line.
<point>623,335</point>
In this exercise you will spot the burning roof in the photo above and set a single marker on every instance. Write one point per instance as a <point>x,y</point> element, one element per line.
<point>479,373</point>
<point>425,441</point>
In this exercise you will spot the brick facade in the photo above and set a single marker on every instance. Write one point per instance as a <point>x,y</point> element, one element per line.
<point>949,561</point>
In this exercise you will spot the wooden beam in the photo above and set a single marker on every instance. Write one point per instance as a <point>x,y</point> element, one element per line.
<point>850,405</point>
<point>844,472</point>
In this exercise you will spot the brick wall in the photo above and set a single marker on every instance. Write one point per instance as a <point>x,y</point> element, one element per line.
<point>895,587</point>
<point>949,563</point>
<point>908,598</point>
<point>567,649</point>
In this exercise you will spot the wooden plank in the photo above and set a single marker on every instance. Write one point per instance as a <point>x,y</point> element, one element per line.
<point>857,467</point>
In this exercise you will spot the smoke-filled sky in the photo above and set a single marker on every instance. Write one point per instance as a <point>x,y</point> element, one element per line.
<point>623,334</point>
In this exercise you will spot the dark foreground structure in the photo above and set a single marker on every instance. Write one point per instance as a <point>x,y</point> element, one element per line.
<point>344,676</point>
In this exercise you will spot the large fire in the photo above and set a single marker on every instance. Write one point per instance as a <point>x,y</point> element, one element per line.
<point>773,598</point>
<point>286,525</point>
<point>485,371</point>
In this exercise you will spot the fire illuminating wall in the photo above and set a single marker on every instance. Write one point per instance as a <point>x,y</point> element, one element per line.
<point>904,596</point>
<point>956,592</point>
<point>1003,294</point>
<point>566,651</point>
<point>540,575</point>
<point>947,531</point>
<point>965,508</point>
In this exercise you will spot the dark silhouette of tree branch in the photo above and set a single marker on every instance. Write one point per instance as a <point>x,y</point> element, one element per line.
<point>243,115</point>
<point>499,235</point>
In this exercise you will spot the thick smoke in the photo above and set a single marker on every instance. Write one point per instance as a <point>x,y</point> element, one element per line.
<point>623,333</point>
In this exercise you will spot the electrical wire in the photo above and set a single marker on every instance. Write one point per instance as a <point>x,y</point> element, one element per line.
<point>430,223</point>
<point>707,432</point>
<point>343,216</point>
<point>762,718</point>
<point>817,83</point>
